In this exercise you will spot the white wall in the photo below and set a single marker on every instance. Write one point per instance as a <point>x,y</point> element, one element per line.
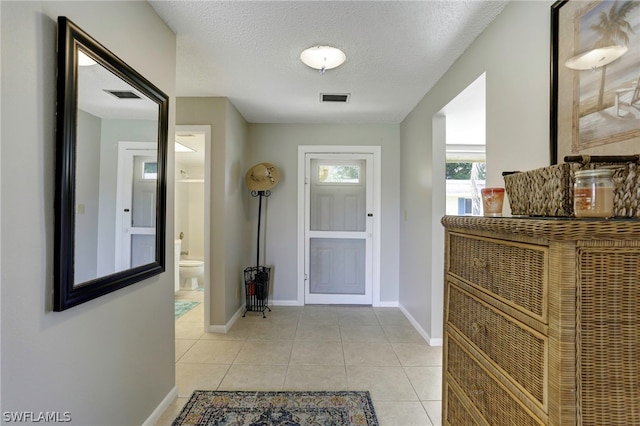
<point>236,234</point>
<point>87,190</point>
<point>190,210</point>
<point>109,361</point>
<point>278,144</point>
<point>196,220</point>
<point>514,52</point>
<point>181,208</point>
<point>1,281</point>
<point>228,221</point>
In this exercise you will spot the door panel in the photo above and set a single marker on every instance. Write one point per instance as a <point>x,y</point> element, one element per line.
<point>338,206</point>
<point>338,247</point>
<point>337,266</point>
<point>143,249</point>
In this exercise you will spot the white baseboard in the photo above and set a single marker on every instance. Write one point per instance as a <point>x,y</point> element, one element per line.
<point>166,402</point>
<point>419,329</point>
<point>393,304</point>
<point>225,328</point>
<point>382,304</point>
<point>286,303</point>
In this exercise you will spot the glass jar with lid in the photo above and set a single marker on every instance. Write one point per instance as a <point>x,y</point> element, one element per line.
<point>593,193</point>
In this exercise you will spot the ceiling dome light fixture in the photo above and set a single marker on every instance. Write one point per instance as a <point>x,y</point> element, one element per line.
<point>85,60</point>
<point>323,57</point>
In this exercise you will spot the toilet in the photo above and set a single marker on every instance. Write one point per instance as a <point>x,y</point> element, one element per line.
<point>190,272</point>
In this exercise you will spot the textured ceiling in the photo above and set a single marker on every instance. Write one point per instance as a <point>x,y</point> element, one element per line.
<point>249,52</point>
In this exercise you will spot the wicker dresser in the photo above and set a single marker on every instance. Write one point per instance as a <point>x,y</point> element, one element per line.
<point>542,322</point>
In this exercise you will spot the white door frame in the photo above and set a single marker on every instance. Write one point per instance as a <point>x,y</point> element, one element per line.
<point>303,150</point>
<point>126,152</point>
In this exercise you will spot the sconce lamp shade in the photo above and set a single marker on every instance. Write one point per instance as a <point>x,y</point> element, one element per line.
<point>323,57</point>
<point>596,58</point>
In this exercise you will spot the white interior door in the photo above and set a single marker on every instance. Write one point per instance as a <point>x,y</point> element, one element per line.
<point>136,204</point>
<point>338,228</point>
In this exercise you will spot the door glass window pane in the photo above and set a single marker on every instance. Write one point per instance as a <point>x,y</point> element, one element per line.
<point>339,173</point>
<point>150,170</point>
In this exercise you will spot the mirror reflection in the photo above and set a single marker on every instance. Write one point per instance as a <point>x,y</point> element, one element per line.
<point>111,155</point>
<point>116,174</point>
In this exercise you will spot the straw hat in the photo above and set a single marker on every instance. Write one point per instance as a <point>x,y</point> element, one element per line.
<point>262,177</point>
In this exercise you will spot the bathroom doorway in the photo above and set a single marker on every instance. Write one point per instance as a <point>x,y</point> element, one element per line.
<point>192,212</point>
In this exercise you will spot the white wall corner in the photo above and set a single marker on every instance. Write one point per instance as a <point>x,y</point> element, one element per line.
<point>225,328</point>
<point>162,407</point>
<point>438,207</point>
<point>419,329</point>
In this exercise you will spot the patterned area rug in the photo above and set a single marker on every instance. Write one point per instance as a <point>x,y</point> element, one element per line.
<point>184,306</point>
<point>278,408</point>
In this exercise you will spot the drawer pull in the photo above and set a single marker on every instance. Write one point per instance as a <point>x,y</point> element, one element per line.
<point>478,329</point>
<point>476,391</point>
<point>478,263</point>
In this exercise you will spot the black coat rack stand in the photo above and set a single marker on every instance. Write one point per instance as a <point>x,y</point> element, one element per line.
<point>256,279</point>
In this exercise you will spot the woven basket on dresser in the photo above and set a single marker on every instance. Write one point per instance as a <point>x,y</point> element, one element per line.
<point>548,191</point>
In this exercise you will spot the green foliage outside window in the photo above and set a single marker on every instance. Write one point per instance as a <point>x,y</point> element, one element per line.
<point>339,174</point>
<point>462,171</point>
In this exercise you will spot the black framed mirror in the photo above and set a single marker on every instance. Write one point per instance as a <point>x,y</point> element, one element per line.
<point>111,154</point>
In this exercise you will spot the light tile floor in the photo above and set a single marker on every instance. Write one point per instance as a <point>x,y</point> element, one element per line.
<point>314,348</point>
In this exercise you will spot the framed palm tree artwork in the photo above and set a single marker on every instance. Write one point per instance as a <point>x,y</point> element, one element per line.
<point>595,78</point>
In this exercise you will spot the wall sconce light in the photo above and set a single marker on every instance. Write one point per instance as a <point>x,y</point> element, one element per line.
<point>596,58</point>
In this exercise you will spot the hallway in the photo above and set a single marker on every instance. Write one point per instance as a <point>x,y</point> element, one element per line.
<point>314,348</point>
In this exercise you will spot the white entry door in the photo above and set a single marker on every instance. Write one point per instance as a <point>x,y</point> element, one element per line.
<point>338,228</point>
<point>136,204</point>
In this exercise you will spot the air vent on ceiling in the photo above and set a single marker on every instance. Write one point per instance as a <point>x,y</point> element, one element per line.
<point>123,94</point>
<point>335,97</point>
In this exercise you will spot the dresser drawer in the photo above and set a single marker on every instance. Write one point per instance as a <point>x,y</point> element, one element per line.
<point>608,335</point>
<point>457,414</point>
<point>518,351</point>
<point>516,273</point>
<point>496,404</point>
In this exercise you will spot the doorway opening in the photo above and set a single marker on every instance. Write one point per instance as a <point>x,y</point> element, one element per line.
<point>192,213</point>
<point>459,135</point>
<point>465,152</point>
